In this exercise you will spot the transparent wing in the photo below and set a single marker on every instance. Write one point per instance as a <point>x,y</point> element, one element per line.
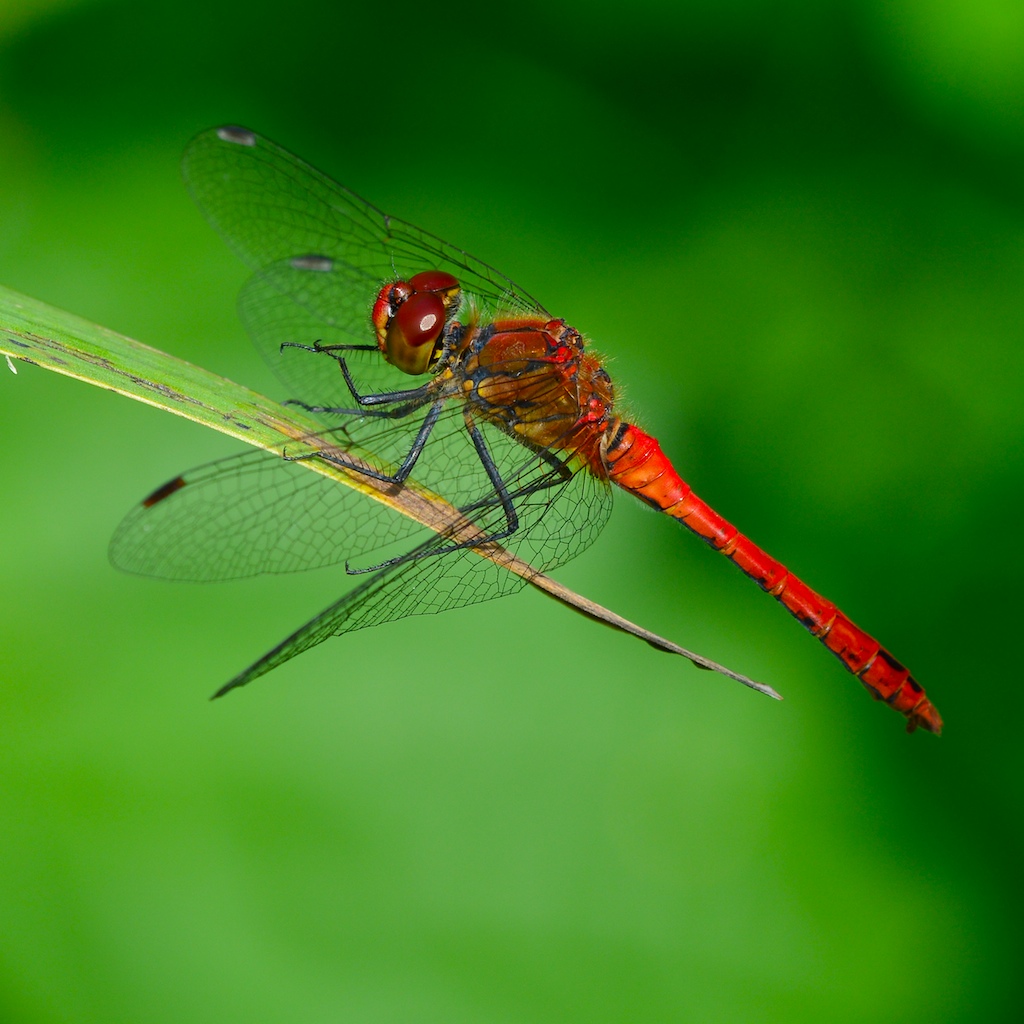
<point>419,587</point>
<point>273,208</point>
<point>552,530</point>
<point>290,304</point>
<point>256,512</point>
<point>319,255</point>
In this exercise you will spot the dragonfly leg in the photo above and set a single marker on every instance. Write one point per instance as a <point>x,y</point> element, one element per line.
<point>320,347</point>
<point>403,471</point>
<point>381,398</point>
<point>487,461</point>
<point>560,466</point>
<point>384,397</point>
<point>397,413</point>
<point>500,492</point>
<point>561,474</point>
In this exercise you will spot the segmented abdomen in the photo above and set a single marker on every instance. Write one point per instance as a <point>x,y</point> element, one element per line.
<point>636,463</point>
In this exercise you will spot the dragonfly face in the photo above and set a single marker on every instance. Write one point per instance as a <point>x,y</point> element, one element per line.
<point>411,317</point>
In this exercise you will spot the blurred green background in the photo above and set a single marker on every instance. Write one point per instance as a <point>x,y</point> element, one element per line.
<point>797,231</point>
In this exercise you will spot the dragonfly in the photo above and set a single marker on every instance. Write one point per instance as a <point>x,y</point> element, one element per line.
<point>427,369</point>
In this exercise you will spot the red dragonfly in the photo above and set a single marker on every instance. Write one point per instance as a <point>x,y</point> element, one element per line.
<point>510,418</point>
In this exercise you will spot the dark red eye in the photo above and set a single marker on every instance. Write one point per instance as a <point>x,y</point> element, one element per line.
<point>433,281</point>
<point>420,318</point>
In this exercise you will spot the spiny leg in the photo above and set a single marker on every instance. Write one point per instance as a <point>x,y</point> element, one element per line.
<point>384,397</point>
<point>413,395</point>
<point>396,413</point>
<point>407,464</point>
<point>561,474</point>
<point>500,491</point>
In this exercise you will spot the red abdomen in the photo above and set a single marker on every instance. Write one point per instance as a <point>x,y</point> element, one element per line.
<point>636,463</point>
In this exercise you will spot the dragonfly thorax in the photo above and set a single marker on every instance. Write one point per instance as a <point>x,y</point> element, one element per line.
<point>534,379</point>
<point>410,317</point>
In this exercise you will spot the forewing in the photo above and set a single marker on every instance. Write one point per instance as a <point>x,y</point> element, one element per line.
<point>270,206</point>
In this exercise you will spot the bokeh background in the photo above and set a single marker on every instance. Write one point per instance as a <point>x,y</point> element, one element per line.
<point>797,231</point>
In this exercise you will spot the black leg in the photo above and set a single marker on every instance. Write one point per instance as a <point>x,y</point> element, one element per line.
<point>382,398</point>
<point>327,349</point>
<point>511,518</point>
<point>399,476</point>
<point>561,474</point>
<point>402,410</point>
<point>424,391</point>
<point>500,492</point>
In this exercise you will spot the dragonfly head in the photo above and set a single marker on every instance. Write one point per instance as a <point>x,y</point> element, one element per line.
<point>410,317</point>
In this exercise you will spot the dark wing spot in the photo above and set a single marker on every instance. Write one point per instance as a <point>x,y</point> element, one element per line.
<point>164,491</point>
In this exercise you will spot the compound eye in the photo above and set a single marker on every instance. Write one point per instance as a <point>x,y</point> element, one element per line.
<point>433,281</point>
<point>411,335</point>
<point>420,319</point>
